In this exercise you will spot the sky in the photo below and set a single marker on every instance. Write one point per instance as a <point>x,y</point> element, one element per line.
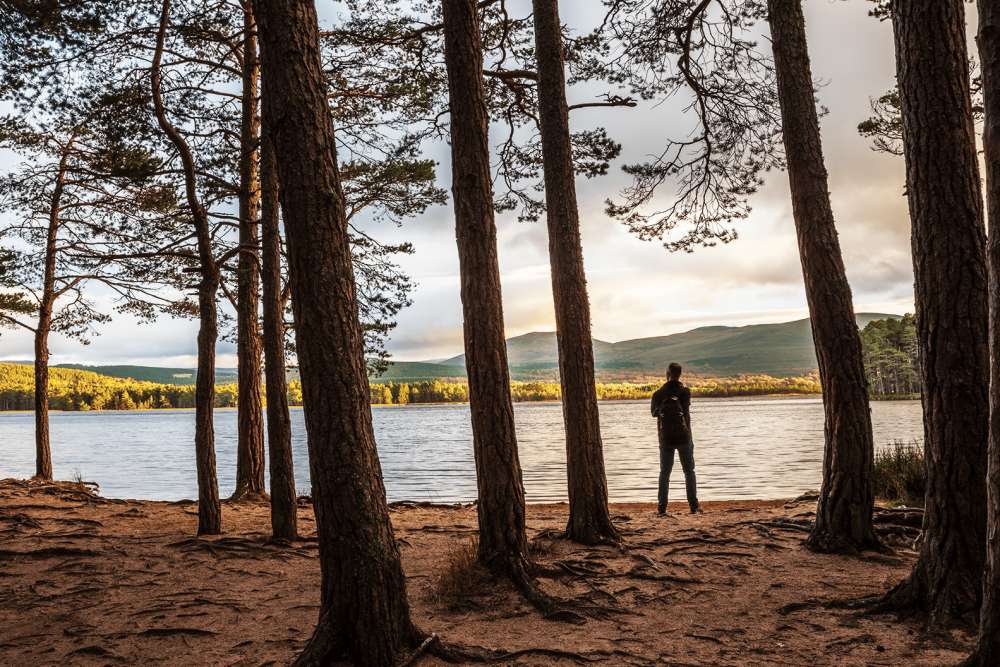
<point>637,288</point>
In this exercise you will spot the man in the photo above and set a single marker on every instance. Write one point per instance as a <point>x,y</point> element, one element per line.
<point>671,405</point>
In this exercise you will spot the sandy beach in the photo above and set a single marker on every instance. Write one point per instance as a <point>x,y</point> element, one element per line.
<point>94,581</point>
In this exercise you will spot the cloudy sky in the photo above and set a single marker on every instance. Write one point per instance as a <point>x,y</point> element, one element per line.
<point>637,288</point>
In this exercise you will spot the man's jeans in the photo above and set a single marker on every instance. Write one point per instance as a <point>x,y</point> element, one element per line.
<point>686,453</point>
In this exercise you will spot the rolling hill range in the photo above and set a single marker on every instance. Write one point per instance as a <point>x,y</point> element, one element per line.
<point>158,374</point>
<point>781,350</point>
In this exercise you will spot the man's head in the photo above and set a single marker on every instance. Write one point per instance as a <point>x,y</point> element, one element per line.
<point>674,371</point>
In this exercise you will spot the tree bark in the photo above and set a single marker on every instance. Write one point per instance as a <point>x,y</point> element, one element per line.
<point>284,510</point>
<point>844,512</point>
<point>250,410</point>
<point>589,519</point>
<point>209,507</point>
<point>949,260</point>
<point>43,447</point>
<point>987,651</point>
<point>502,538</point>
<point>364,614</point>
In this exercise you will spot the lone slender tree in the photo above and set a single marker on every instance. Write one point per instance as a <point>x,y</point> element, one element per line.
<point>502,539</point>
<point>284,511</point>
<point>250,410</point>
<point>949,262</point>
<point>209,506</point>
<point>364,613</point>
<point>589,519</point>
<point>844,513</point>
<point>987,650</point>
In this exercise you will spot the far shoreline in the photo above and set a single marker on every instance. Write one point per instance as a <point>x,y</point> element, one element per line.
<point>771,396</point>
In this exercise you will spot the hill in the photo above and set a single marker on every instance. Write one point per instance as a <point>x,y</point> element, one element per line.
<point>157,374</point>
<point>782,350</point>
<point>179,376</point>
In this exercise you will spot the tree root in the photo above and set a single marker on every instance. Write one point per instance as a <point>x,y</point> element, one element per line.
<point>171,632</point>
<point>50,552</point>
<point>239,547</point>
<point>420,651</point>
<point>815,603</point>
<point>464,654</point>
<point>241,496</point>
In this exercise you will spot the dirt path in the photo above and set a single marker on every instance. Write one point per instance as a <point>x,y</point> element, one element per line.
<point>91,581</point>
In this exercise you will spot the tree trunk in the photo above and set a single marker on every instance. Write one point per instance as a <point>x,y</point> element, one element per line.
<point>209,507</point>
<point>844,512</point>
<point>364,613</point>
<point>284,511</point>
<point>502,539</point>
<point>43,449</point>
<point>250,411</point>
<point>949,261</point>
<point>589,519</point>
<point>987,650</point>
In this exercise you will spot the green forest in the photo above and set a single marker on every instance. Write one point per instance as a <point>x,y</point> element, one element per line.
<point>891,359</point>
<point>85,390</point>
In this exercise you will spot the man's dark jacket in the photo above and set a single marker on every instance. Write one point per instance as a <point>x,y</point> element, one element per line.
<point>672,389</point>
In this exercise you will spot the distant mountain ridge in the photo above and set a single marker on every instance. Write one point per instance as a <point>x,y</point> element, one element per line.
<point>781,350</point>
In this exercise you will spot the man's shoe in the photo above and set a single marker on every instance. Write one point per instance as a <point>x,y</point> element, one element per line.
<point>661,511</point>
<point>697,510</point>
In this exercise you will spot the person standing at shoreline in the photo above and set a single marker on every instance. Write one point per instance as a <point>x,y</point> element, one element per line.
<point>671,405</point>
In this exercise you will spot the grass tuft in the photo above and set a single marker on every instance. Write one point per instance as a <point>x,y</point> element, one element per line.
<point>462,577</point>
<point>900,476</point>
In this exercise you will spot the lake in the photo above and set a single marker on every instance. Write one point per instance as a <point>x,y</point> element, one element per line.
<point>744,448</point>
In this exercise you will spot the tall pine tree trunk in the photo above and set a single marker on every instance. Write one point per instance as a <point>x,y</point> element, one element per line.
<point>250,410</point>
<point>43,448</point>
<point>502,538</point>
<point>209,507</point>
<point>987,650</point>
<point>364,613</point>
<point>589,519</point>
<point>844,512</point>
<point>284,511</point>
<point>949,261</point>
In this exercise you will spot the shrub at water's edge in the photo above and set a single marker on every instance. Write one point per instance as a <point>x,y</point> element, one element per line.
<point>900,476</point>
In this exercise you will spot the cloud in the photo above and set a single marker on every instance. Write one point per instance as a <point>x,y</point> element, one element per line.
<point>637,288</point>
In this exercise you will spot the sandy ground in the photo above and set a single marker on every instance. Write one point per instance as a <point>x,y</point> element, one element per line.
<point>89,581</point>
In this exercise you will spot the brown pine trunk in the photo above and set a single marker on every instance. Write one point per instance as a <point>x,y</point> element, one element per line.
<point>284,511</point>
<point>987,650</point>
<point>589,519</point>
<point>844,512</point>
<point>250,410</point>
<point>502,539</point>
<point>364,613</point>
<point>209,507</point>
<point>43,449</point>
<point>949,260</point>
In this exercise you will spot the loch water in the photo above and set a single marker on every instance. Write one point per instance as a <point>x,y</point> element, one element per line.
<point>745,448</point>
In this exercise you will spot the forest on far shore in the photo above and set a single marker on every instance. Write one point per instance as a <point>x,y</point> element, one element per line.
<point>889,351</point>
<point>75,390</point>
